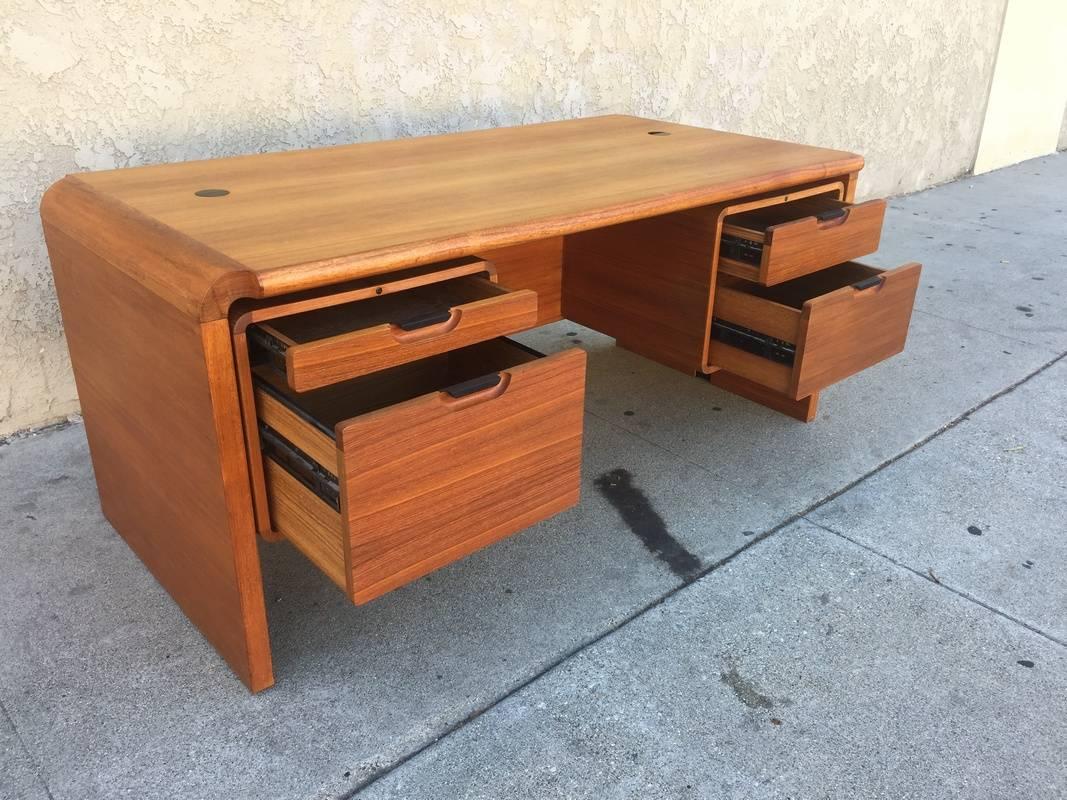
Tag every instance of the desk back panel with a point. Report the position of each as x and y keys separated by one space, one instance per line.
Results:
x=536 y=265
x=647 y=283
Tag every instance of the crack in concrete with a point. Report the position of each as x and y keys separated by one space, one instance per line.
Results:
x=1039 y=345
x=37 y=772
x=938 y=581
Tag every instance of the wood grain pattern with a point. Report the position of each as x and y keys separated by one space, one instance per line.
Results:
x=849 y=330
x=157 y=286
x=247 y=311
x=300 y=219
x=428 y=478
x=647 y=283
x=159 y=399
x=333 y=344
x=305 y=520
x=803 y=409
x=796 y=243
x=181 y=271
x=432 y=479
x=536 y=265
x=247 y=398
x=776 y=377
x=837 y=328
x=317 y=445
x=734 y=303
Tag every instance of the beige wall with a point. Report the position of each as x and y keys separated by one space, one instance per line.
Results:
x=1025 y=112
x=95 y=85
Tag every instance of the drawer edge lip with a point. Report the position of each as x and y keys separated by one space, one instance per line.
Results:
x=258 y=384
x=575 y=354
x=516 y=297
x=866 y=206
x=253 y=311
x=322 y=362
x=883 y=272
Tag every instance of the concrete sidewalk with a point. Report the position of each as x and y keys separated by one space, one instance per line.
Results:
x=871 y=605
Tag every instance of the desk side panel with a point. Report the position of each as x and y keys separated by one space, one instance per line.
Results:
x=159 y=399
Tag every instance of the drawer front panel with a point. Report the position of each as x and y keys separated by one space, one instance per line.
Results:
x=853 y=328
x=783 y=242
x=840 y=321
x=432 y=479
x=467 y=311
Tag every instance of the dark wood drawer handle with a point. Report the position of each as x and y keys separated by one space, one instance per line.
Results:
x=426 y=325
x=425 y=319
x=832 y=215
x=476 y=390
x=868 y=283
x=465 y=388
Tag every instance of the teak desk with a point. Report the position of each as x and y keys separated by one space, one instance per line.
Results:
x=311 y=345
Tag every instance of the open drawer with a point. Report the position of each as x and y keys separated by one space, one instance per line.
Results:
x=384 y=478
x=801 y=336
x=327 y=345
x=780 y=242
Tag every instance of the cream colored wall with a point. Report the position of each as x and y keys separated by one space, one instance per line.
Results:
x=95 y=85
x=1025 y=113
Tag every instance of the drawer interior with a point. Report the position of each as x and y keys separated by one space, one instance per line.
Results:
x=752 y=225
x=795 y=293
x=409 y=310
x=456 y=372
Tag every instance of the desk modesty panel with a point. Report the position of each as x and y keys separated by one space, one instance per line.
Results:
x=312 y=347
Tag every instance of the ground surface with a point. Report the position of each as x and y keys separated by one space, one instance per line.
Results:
x=873 y=605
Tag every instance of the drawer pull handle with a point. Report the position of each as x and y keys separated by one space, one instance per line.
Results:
x=868 y=283
x=425 y=319
x=831 y=214
x=475 y=391
x=465 y=388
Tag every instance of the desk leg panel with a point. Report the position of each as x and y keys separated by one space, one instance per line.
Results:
x=159 y=399
x=803 y=409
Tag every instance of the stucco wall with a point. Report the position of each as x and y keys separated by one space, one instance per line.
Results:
x=95 y=85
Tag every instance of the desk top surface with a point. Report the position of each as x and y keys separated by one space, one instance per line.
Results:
x=360 y=209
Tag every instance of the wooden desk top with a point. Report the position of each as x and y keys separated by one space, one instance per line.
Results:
x=305 y=218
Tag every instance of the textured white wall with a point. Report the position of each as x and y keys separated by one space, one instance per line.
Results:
x=95 y=85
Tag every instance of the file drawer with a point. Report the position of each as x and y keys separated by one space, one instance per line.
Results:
x=801 y=336
x=336 y=343
x=780 y=242
x=381 y=479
